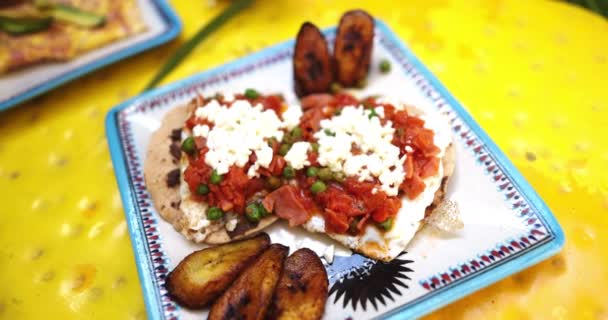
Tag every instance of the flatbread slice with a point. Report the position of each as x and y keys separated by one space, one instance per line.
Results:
x=385 y=246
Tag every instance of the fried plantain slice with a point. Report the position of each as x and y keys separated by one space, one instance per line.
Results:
x=302 y=289
x=203 y=275
x=251 y=293
x=312 y=64
x=353 y=47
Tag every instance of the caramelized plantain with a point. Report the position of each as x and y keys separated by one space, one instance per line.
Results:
x=251 y=293
x=302 y=289
x=203 y=275
x=312 y=64
x=353 y=47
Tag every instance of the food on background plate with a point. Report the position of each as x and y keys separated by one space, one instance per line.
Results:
x=250 y=296
x=353 y=47
x=205 y=274
x=312 y=61
x=33 y=32
x=367 y=172
x=301 y=292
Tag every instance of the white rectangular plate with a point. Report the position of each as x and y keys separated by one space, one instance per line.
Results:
x=507 y=227
x=162 y=25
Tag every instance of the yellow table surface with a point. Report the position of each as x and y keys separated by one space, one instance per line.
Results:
x=534 y=74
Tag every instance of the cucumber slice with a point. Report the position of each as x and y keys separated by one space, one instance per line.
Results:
x=76 y=16
x=23 y=25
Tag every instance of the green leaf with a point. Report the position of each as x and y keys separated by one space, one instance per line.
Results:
x=234 y=8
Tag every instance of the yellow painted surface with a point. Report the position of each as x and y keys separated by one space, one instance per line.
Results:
x=534 y=74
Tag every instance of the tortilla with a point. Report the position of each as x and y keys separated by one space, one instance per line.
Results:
x=166 y=199
x=64 y=41
x=376 y=244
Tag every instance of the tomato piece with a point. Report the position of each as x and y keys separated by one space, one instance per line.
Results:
x=409 y=166
x=273 y=102
x=399 y=118
x=428 y=167
x=335 y=222
x=310 y=122
x=277 y=165
x=413 y=187
x=316 y=101
x=344 y=99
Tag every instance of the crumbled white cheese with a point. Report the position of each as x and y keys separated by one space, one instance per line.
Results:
x=291 y=116
x=200 y=130
x=409 y=149
x=238 y=131
x=228 y=97
x=231 y=224
x=297 y=156
x=379 y=158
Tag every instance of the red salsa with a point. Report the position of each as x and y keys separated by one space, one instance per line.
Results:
x=346 y=203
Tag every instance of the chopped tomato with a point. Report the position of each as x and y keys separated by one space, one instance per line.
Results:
x=346 y=206
x=409 y=166
x=310 y=122
x=344 y=99
x=413 y=187
x=273 y=102
x=277 y=165
x=316 y=101
x=427 y=167
x=335 y=222
x=340 y=201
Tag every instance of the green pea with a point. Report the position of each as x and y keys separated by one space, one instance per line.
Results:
x=373 y=113
x=263 y=210
x=202 y=189
x=338 y=112
x=315 y=147
x=335 y=87
x=215 y=177
x=385 y=66
x=251 y=94
x=339 y=176
x=312 y=171
x=296 y=132
x=329 y=132
x=284 y=148
x=273 y=182
x=188 y=146
x=318 y=186
x=325 y=174
x=214 y=213
x=271 y=141
x=387 y=224
x=253 y=213
x=289 y=172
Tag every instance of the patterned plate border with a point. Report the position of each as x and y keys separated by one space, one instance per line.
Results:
x=544 y=238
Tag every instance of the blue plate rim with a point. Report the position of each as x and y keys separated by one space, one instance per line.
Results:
x=429 y=302
x=174 y=27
